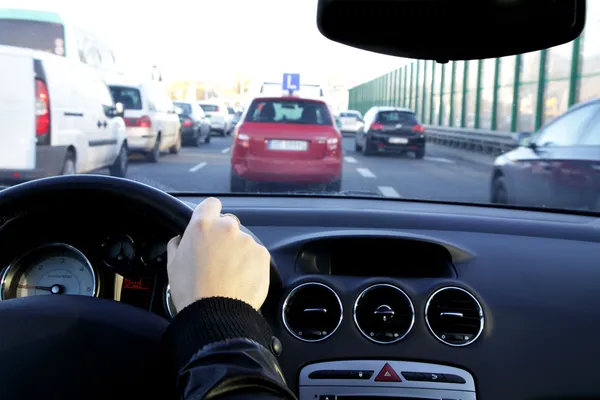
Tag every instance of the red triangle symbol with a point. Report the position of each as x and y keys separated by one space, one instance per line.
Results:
x=387 y=374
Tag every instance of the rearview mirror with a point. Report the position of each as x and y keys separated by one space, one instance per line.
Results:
x=465 y=29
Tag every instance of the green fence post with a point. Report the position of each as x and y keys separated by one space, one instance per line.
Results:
x=441 y=108
x=410 y=85
x=573 y=81
x=452 y=88
x=540 y=106
x=424 y=96
x=432 y=91
x=514 y=115
x=404 y=86
x=495 y=95
x=416 y=109
x=387 y=88
x=463 y=103
x=478 y=93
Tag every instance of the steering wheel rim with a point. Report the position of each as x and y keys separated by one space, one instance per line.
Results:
x=64 y=327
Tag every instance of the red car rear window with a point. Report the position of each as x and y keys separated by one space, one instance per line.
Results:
x=289 y=111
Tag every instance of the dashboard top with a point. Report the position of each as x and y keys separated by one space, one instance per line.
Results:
x=416 y=284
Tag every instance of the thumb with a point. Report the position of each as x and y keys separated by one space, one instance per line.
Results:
x=172 y=247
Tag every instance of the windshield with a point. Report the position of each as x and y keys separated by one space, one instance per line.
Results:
x=209 y=107
x=185 y=107
x=35 y=35
x=292 y=112
x=128 y=96
x=288 y=111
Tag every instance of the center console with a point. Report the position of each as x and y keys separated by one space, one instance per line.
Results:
x=388 y=380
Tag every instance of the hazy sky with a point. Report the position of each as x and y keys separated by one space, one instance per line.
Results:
x=214 y=38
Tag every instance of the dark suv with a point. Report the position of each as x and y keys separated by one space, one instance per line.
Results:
x=391 y=130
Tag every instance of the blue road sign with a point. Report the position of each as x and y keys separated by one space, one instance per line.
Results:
x=291 y=81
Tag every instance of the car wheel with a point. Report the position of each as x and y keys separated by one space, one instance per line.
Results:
x=154 y=154
x=237 y=184
x=207 y=138
x=419 y=154
x=119 y=167
x=69 y=167
x=177 y=146
x=366 y=151
x=334 y=186
x=199 y=140
x=357 y=148
x=499 y=192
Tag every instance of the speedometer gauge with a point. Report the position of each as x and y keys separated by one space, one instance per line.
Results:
x=52 y=269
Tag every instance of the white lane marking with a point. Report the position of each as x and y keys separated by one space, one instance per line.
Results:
x=225 y=150
x=388 y=191
x=440 y=159
x=365 y=172
x=197 y=167
x=350 y=160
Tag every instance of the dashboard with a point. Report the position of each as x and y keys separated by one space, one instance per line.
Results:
x=373 y=297
x=113 y=254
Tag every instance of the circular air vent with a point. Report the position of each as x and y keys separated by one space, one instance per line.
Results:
x=384 y=313
x=454 y=316
x=312 y=312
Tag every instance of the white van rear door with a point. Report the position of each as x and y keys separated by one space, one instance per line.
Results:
x=17 y=109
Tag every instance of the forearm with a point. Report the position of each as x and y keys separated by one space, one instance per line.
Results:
x=219 y=346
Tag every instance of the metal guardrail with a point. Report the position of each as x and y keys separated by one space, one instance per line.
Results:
x=478 y=140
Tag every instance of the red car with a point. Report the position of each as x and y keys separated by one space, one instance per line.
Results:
x=286 y=140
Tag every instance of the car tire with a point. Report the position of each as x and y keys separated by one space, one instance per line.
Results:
x=357 y=148
x=334 y=186
x=207 y=138
x=119 y=167
x=366 y=151
x=177 y=146
x=69 y=167
x=154 y=154
x=420 y=154
x=237 y=184
x=499 y=193
x=199 y=140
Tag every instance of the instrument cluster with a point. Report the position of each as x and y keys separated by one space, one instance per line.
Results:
x=118 y=266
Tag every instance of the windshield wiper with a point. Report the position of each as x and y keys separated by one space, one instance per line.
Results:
x=342 y=193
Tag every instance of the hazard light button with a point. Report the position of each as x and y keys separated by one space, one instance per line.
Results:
x=387 y=374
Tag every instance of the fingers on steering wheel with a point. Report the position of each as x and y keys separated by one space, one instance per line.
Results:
x=210 y=208
x=230 y=222
x=173 y=244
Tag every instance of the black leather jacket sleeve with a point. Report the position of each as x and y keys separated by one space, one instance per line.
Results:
x=219 y=349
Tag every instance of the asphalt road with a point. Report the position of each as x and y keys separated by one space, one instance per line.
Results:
x=444 y=174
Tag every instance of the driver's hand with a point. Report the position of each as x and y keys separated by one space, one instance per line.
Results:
x=214 y=258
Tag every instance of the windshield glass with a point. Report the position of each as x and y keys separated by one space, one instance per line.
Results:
x=209 y=107
x=36 y=35
x=185 y=107
x=128 y=96
x=294 y=112
x=288 y=111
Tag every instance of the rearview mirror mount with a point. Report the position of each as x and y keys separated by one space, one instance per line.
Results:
x=464 y=29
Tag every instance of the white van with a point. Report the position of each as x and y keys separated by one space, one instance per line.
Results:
x=152 y=122
x=57 y=117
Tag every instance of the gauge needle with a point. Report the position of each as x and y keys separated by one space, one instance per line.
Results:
x=55 y=289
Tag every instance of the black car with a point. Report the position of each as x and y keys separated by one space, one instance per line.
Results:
x=195 y=126
x=558 y=166
x=391 y=130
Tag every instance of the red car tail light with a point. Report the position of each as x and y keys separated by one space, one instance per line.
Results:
x=42 y=109
x=376 y=126
x=187 y=122
x=418 y=129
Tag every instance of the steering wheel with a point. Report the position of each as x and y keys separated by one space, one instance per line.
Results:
x=72 y=347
